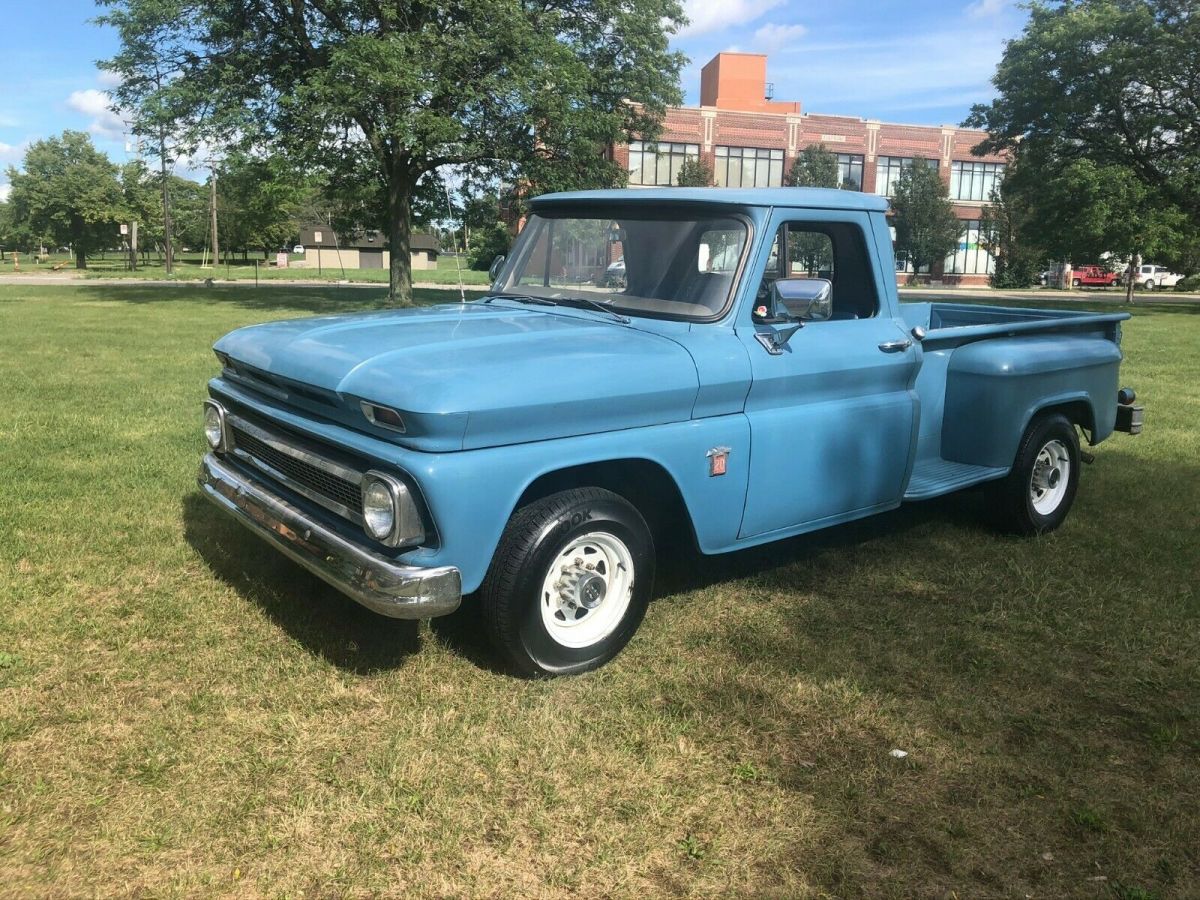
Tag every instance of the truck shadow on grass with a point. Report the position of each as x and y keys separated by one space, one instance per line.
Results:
x=683 y=569
x=322 y=620
x=358 y=640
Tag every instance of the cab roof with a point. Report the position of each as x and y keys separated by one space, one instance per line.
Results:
x=813 y=198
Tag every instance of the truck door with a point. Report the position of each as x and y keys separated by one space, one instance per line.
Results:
x=833 y=414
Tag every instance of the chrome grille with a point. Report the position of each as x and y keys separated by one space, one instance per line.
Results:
x=321 y=480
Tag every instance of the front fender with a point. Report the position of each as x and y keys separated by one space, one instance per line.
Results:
x=473 y=493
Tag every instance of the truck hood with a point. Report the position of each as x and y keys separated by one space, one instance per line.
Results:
x=472 y=375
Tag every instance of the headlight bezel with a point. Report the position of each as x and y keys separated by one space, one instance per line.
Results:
x=407 y=527
x=222 y=444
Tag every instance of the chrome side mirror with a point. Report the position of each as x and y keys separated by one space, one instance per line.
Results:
x=807 y=299
x=496 y=266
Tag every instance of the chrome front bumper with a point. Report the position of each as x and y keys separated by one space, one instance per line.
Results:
x=378 y=583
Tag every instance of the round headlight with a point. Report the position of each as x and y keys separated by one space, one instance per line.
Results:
x=212 y=426
x=379 y=510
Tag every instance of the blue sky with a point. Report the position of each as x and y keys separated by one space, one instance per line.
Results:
x=921 y=62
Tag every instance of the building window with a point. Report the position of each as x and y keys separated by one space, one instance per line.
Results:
x=659 y=163
x=971 y=257
x=850 y=171
x=974 y=180
x=748 y=167
x=887 y=172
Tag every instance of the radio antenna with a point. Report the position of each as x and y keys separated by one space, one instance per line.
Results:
x=462 y=293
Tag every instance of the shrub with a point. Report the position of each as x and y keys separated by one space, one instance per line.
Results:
x=489 y=243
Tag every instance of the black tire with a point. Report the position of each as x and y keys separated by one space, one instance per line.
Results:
x=1017 y=496
x=533 y=544
x=1149 y=285
x=1075 y=282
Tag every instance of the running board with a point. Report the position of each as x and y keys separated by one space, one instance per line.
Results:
x=935 y=477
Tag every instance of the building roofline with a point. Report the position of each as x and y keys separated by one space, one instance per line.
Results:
x=808 y=115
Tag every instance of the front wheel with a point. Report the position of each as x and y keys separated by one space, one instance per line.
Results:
x=1075 y=282
x=570 y=582
x=1149 y=285
x=1037 y=493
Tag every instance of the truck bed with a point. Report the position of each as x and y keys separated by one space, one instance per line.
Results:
x=967 y=321
x=979 y=364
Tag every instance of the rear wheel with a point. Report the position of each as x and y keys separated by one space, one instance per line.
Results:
x=1037 y=494
x=1075 y=282
x=1149 y=285
x=569 y=583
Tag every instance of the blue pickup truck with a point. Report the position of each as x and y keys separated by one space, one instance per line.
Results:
x=751 y=376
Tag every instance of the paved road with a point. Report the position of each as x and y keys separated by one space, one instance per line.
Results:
x=1031 y=296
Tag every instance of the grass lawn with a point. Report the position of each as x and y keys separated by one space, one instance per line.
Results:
x=188 y=268
x=183 y=712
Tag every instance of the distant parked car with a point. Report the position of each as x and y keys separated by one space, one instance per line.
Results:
x=1093 y=276
x=1151 y=277
x=614 y=275
x=298 y=249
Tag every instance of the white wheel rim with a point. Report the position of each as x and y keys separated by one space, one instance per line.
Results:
x=587 y=589
x=1051 y=473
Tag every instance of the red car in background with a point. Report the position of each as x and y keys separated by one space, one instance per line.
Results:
x=1093 y=276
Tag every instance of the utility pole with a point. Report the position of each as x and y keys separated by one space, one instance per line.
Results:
x=133 y=247
x=212 y=203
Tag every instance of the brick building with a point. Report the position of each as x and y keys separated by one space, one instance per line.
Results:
x=751 y=139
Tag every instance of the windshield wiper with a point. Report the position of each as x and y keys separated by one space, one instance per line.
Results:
x=539 y=300
x=596 y=305
x=520 y=298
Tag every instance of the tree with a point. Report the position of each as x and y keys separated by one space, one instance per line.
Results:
x=814 y=167
x=1083 y=211
x=261 y=200
x=68 y=190
x=140 y=193
x=189 y=213
x=926 y=226
x=1007 y=229
x=490 y=242
x=1110 y=81
x=694 y=172
x=157 y=37
x=383 y=94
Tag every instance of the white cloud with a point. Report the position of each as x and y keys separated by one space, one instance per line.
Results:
x=714 y=15
x=105 y=123
x=772 y=37
x=9 y=153
x=5 y=190
x=982 y=9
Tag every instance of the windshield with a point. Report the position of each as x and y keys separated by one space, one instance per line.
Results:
x=681 y=267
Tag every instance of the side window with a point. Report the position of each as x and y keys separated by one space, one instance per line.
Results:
x=835 y=251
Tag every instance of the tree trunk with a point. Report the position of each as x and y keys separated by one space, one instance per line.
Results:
x=166 y=202
x=1134 y=263
x=80 y=259
x=212 y=207
x=400 y=191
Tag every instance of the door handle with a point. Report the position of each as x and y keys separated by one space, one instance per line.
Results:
x=895 y=346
